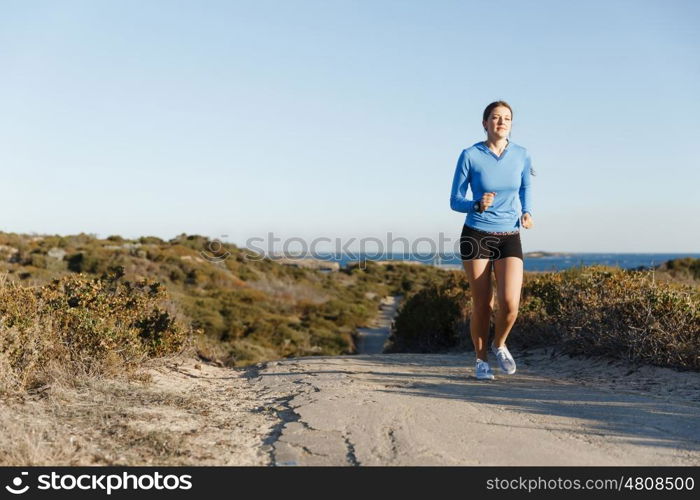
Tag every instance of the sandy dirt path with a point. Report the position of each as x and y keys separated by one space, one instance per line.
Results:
x=382 y=409
x=417 y=409
x=371 y=340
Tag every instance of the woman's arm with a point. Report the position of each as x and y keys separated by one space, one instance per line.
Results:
x=526 y=186
x=458 y=196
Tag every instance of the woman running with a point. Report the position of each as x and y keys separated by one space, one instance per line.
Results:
x=498 y=172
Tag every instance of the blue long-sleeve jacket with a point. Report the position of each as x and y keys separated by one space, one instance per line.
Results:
x=509 y=176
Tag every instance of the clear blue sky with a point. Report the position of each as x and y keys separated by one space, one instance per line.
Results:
x=344 y=119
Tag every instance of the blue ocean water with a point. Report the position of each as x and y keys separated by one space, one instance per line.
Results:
x=553 y=263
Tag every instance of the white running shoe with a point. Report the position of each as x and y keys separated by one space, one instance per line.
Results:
x=505 y=361
x=483 y=370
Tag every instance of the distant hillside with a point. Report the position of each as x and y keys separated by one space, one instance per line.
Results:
x=250 y=309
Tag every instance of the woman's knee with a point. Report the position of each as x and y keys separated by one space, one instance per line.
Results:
x=482 y=307
x=509 y=308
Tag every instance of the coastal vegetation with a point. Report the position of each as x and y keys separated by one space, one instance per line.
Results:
x=80 y=304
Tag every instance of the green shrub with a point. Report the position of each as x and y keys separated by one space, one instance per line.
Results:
x=685 y=267
x=433 y=319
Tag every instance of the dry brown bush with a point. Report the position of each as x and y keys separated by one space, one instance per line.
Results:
x=79 y=326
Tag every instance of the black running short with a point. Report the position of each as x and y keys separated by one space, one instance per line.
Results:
x=477 y=244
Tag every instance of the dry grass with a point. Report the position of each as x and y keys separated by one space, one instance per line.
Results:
x=181 y=412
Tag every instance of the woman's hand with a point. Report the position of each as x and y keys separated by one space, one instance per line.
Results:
x=526 y=220
x=487 y=201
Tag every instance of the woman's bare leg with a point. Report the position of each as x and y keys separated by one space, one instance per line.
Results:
x=479 y=276
x=509 y=281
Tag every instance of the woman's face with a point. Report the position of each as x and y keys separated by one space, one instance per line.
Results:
x=499 y=122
